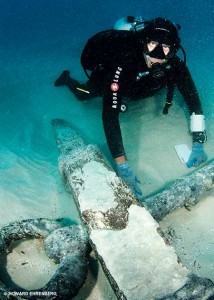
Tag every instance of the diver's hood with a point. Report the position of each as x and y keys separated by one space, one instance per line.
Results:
x=164 y=32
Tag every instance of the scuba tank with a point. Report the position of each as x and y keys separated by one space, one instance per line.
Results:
x=101 y=50
x=129 y=23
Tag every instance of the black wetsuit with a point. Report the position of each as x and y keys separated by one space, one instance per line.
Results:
x=126 y=75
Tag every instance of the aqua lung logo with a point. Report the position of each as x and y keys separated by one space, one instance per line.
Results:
x=117 y=74
x=114 y=102
x=115 y=87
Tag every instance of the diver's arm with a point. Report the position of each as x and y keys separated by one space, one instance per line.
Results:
x=188 y=90
x=187 y=87
x=111 y=109
x=111 y=126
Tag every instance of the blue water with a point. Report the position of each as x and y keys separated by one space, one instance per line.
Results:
x=39 y=39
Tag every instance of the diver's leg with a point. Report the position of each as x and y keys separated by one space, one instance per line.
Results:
x=62 y=79
x=81 y=91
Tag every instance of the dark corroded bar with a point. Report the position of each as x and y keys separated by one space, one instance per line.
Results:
x=186 y=191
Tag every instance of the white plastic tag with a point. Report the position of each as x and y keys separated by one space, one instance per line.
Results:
x=183 y=152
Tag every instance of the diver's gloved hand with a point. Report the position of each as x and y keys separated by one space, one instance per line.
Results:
x=197 y=156
x=125 y=173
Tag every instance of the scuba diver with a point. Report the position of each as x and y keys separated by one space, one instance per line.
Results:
x=135 y=60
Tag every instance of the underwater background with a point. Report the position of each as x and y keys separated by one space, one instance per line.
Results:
x=38 y=40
